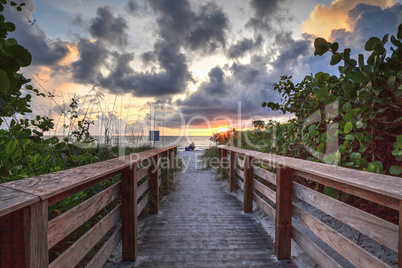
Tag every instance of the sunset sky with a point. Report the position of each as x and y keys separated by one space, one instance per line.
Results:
x=207 y=59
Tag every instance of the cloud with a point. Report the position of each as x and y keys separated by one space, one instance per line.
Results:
x=264 y=13
x=44 y=51
x=109 y=28
x=291 y=51
x=243 y=46
x=123 y=79
x=93 y=56
x=133 y=7
x=323 y=19
x=368 y=21
x=178 y=24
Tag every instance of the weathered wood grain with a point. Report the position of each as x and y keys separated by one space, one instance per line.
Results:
x=106 y=250
x=248 y=185
x=142 y=173
x=232 y=185
x=67 y=222
x=23 y=237
x=12 y=200
x=400 y=236
x=377 y=183
x=241 y=184
x=240 y=162
x=142 y=189
x=264 y=206
x=369 y=195
x=376 y=228
x=349 y=250
x=202 y=225
x=265 y=175
x=35 y=233
x=129 y=213
x=73 y=255
x=154 y=186
x=240 y=173
x=271 y=195
x=165 y=171
x=58 y=183
x=314 y=251
x=283 y=219
x=142 y=205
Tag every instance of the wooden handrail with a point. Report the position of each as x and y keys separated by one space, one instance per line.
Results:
x=26 y=234
x=378 y=188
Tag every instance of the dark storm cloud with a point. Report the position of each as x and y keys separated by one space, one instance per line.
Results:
x=245 y=73
x=44 y=51
x=290 y=51
x=78 y=20
x=264 y=13
x=178 y=27
x=109 y=28
x=172 y=76
x=216 y=84
x=93 y=55
x=368 y=21
x=133 y=7
x=123 y=79
x=148 y=57
x=242 y=47
x=204 y=30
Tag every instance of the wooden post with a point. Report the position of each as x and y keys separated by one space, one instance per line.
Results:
x=248 y=184
x=23 y=236
x=176 y=159
x=171 y=160
x=283 y=220
x=400 y=236
x=232 y=171
x=129 y=213
x=220 y=159
x=165 y=171
x=154 y=185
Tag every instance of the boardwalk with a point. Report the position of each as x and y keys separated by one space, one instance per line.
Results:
x=201 y=225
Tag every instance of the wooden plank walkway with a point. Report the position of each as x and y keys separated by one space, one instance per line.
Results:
x=201 y=225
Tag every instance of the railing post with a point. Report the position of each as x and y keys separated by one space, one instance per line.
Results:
x=232 y=171
x=220 y=160
x=154 y=185
x=248 y=184
x=283 y=219
x=400 y=236
x=175 y=159
x=165 y=171
x=129 y=213
x=23 y=235
x=171 y=160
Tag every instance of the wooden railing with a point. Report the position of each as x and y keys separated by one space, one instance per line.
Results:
x=26 y=235
x=246 y=171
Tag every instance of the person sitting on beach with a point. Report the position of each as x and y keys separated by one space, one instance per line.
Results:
x=192 y=146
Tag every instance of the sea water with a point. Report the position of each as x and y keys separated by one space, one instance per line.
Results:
x=201 y=142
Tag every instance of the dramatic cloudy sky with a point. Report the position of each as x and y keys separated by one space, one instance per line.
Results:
x=208 y=59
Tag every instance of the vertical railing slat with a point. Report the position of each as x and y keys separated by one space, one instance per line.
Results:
x=232 y=171
x=283 y=220
x=129 y=213
x=248 y=184
x=400 y=236
x=154 y=185
x=165 y=171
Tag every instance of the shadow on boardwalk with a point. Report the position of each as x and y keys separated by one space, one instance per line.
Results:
x=201 y=225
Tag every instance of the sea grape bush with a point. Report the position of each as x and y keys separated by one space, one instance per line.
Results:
x=366 y=100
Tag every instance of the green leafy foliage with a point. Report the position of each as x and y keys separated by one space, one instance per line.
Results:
x=366 y=103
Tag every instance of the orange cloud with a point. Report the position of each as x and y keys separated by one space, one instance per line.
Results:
x=323 y=19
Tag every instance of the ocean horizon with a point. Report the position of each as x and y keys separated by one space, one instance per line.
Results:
x=201 y=142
